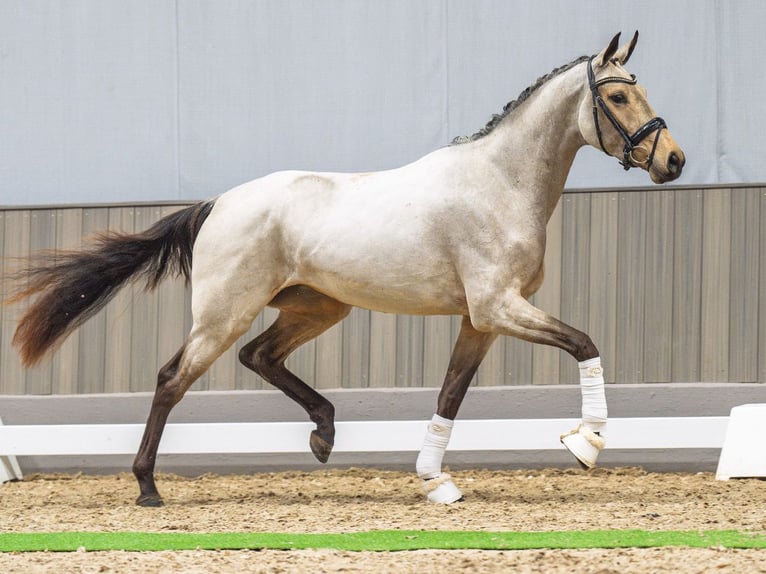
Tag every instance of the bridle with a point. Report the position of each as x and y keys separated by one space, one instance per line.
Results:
x=631 y=141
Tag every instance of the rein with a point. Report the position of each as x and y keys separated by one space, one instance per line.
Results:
x=631 y=141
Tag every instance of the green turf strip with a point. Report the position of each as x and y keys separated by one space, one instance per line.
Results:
x=378 y=540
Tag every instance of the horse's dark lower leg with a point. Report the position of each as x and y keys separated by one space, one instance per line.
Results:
x=470 y=349
x=203 y=346
x=165 y=398
x=304 y=315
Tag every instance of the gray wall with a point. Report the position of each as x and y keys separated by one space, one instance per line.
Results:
x=669 y=282
x=108 y=101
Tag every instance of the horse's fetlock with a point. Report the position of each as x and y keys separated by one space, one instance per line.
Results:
x=323 y=413
x=142 y=469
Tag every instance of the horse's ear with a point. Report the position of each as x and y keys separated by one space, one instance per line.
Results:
x=608 y=53
x=623 y=54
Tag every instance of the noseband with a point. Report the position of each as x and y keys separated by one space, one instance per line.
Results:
x=631 y=141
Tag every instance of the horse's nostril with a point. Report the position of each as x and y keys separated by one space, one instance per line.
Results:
x=674 y=163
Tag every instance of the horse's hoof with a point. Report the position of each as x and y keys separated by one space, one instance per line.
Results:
x=320 y=447
x=149 y=500
x=441 y=490
x=584 y=444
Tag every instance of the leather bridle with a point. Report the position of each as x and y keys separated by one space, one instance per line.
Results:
x=631 y=141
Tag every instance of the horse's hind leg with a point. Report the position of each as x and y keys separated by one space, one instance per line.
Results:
x=470 y=349
x=202 y=347
x=304 y=315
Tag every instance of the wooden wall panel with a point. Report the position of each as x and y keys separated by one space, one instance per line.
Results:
x=716 y=285
x=631 y=262
x=761 y=348
x=658 y=288
x=687 y=286
x=602 y=291
x=669 y=283
x=744 y=293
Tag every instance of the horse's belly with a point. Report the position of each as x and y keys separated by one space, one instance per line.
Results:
x=408 y=296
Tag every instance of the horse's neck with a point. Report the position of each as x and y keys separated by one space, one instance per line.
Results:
x=537 y=143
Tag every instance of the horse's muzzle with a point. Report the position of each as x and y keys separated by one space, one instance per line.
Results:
x=671 y=170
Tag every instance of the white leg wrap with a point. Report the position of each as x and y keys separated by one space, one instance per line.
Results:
x=429 y=464
x=594 y=410
x=586 y=441
x=437 y=485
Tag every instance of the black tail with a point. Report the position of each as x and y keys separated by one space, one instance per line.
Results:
x=73 y=286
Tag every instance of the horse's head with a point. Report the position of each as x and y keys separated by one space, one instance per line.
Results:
x=616 y=117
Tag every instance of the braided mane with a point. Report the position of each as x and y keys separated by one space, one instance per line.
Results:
x=513 y=104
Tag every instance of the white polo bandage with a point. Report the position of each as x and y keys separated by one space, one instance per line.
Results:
x=429 y=463
x=594 y=412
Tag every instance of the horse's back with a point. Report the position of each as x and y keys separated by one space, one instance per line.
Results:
x=375 y=240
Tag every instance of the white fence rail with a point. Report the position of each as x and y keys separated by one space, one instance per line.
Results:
x=352 y=436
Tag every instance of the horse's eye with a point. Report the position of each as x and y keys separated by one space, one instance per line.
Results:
x=618 y=98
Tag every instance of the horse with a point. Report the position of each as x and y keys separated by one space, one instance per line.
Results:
x=460 y=231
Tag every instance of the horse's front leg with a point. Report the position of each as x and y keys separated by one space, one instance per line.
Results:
x=514 y=315
x=470 y=349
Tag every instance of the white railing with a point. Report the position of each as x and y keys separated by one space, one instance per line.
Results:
x=351 y=436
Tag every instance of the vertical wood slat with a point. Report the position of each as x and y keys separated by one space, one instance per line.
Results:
x=716 y=256
x=356 y=349
x=744 y=292
x=518 y=361
x=16 y=246
x=42 y=235
x=658 y=288
x=329 y=359
x=631 y=251
x=761 y=289
x=409 y=351
x=545 y=360
x=687 y=286
x=66 y=359
x=575 y=276
x=602 y=316
x=382 y=350
x=8 y=313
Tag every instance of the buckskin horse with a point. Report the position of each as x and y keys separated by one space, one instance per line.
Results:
x=460 y=231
